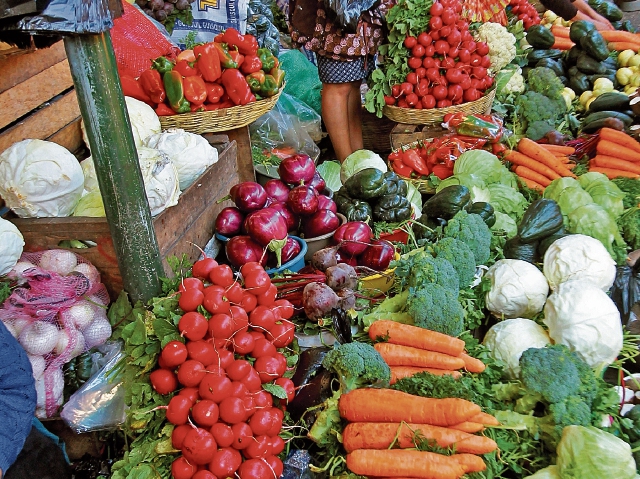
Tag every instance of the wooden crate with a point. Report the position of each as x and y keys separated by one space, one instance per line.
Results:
x=404 y=134
x=178 y=228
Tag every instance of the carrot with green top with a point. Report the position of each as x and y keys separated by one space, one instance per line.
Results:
x=612 y=173
x=609 y=148
x=605 y=161
x=471 y=364
x=519 y=159
x=398 y=355
x=485 y=419
x=558 y=149
x=389 y=405
x=468 y=426
x=408 y=335
x=619 y=137
x=527 y=173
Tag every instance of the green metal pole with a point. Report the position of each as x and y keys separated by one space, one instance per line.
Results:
x=103 y=108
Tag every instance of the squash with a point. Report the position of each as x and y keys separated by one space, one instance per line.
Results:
x=613 y=100
x=447 y=202
x=485 y=211
x=541 y=219
x=540 y=37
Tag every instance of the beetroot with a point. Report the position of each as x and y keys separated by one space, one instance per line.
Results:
x=303 y=200
x=378 y=255
x=346 y=259
x=276 y=190
x=318 y=300
x=326 y=203
x=320 y=223
x=324 y=258
x=347 y=299
x=353 y=237
x=341 y=276
x=229 y=221
x=297 y=169
x=242 y=249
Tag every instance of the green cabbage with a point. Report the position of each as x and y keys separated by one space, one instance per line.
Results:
x=588 y=452
x=604 y=192
x=486 y=166
x=505 y=223
x=330 y=172
x=90 y=205
x=359 y=160
x=507 y=200
x=476 y=185
x=550 y=472
x=569 y=195
x=593 y=220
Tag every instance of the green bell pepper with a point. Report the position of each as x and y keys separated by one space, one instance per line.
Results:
x=352 y=209
x=427 y=228
x=267 y=59
x=269 y=86
x=392 y=209
x=368 y=184
x=397 y=186
x=175 y=92
x=162 y=64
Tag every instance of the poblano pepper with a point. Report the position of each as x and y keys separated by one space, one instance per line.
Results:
x=352 y=209
x=392 y=209
x=372 y=183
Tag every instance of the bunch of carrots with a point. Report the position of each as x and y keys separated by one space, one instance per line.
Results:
x=617 y=40
x=537 y=165
x=617 y=154
x=385 y=425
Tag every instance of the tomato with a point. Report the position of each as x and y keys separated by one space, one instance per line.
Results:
x=203 y=267
x=449 y=16
x=163 y=381
x=257 y=282
x=238 y=369
x=202 y=351
x=282 y=334
x=436 y=10
x=178 y=434
x=277 y=445
x=182 y=469
x=418 y=51
x=243 y=343
x=234 y=293
x=410 y=42
x=193 y=325
x=276 y=465
x=204 y=474
x=425 y=39
x=285 y=308
x=482 y=48
x=221 y=326
x=205 y=413
x=288 y=386
x=191 y=393
x=191 y=372
x=252 y=381
x=428 y=101
x=435 y=23
x=242 y=435
x=174 y=354
x=215 y=300
x=260 y=446
x=178 y=410
x=225 y=462
x=248 y=302
x=262 y=318
x=222 y=433
x=190 y=283
x=268 y=297
x=255 y=469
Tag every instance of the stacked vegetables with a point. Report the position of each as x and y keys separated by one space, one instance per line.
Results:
x=229 y=71
x=524 y=11
x=618 y=154
x=537 y=165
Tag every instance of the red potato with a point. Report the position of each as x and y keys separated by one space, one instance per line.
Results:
x=318 y=300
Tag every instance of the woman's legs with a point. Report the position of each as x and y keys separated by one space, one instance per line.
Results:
x=341 y=113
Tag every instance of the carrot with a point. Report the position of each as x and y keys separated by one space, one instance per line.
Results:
x=389 y=405
x=485 y=419
x=401 y=372
x=468 y=426
x=609 y=148
x=562 y=43
x=561 y=149
x=400 y=462
x=380 y=435
x=532 y=184
x=519 y=159
x=470 y=462
x=397 y=355
x=619 y=36
x=560 y=31
x=620 y=46
x=528 y=173
x=605 y=161
x=472 y=364
x=613 y=173
x=535 y=151
x=619 y=137
x=408 y=335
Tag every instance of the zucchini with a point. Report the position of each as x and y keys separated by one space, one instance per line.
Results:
x=485 y=211
x=611 y=100
x=579 y=29
x=515 y=249
x=594 y=45
x=447 y=202
x=534 y=56
x=541 y=219
x=609 y=122
x=540 y=37
x=588 y=65
x=604 y=114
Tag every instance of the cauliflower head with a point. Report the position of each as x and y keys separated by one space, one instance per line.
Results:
x=515 y=83
x=502 y=44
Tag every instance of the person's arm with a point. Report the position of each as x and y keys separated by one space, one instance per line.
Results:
x=590 y=14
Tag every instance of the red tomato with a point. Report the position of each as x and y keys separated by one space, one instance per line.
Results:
x=163 y=381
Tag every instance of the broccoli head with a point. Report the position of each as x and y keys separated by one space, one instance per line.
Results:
x=533 y=106
x=459 y=255
x=471 y=229
x=543 y=80
x=357 y=365
x=435 y=307
x=420 y=268
x=537 y=129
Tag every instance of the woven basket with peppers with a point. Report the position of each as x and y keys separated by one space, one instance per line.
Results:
x=229 y=71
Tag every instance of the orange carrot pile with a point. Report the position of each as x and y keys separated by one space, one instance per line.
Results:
x=621 y=40
x=560 y=31
x=617 y=154
x=562 y=43
x=538 y=165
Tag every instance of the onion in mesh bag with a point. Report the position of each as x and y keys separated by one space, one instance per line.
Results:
x=59 y=261
x=38 y=365
x=39 y=338
x=67 y=337
x=57 y=389
x=97 y=332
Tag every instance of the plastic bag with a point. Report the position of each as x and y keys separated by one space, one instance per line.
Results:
x=99 y=403
x=348 y=12
x=478 y=126
x=625 y=292
x=302 y=78
x=260 y=24
x=280 y=132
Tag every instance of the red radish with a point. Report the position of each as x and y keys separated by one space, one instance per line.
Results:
x=277 y=445
x=239 y=389
x=243 y=343
x=191 y=393
x=163 y=381
x=191 y=372
x=178 y=410
x=268 y=297
x=297 y=169
x=257 y=282
x=193 y=325
x=378 y=255
x=221 y=326
x=204 y=474
x=248 y=196
x=261 y=318
x=268 y=368
x=174 y=354
x=353 y=237
x=263 y=347
x=288 y=386
x=242 y=435
x=282 y=334
x=326 y=203
x=202 y=351
x=232 y=410
x=199 y=446
x=202 y=267
x=226 y=462
x=191 y=283
x=222 y=275
x=292 y=220
x=215 y=301
x=263 y=399
x=229 y=222
x=238 y=369
x=260 y=446
x=182 y=469
x=276 y=465
x=277 y=190
x=317 y=182
x=205 y=413
x=240 y=318
x=252 y=381
x=222 y=433
x=320 y=223
x=215 y=388
x=303 y=200
x=268 y=228
x=242 y=249
x=178 y=434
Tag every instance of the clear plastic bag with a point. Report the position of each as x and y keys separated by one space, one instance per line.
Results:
x=348 y=12
x=286 y=129
x=99 y=403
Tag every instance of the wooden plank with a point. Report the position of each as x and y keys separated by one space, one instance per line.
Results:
x=30 y=94
x=245 y=162
x=19 y=68
x=70 y=136
x=44 y=122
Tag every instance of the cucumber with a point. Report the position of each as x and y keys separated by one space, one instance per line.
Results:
x=601 y=115
x=609 y=122
x=612 y=100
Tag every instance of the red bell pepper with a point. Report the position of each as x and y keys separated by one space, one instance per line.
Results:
x=151 y=82
x=164 y=110
x=237 y=57
x=208 y=62
x=223 y=54
x=131 y=87
x=195 y=90
x=236 y=87
x=251 y=64
x=188 y=55
x=218 y=106
x=442 y=171
x=214 y=92
x=246 y=44
x=400 y=168
x=185 y=69
x=412 y=159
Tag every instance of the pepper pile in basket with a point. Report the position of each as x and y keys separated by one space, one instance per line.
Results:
x=229 y=71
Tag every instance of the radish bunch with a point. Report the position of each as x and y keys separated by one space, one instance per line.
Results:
x=225 y=422
x=448 y=67
x=525 y=12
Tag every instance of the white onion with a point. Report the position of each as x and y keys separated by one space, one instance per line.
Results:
x=19 y=268
x=39 y=338
x=97 y=332
x=19 y=324
x=58 y=388
x=38 y=365
x=64 y=337
x=89 y=271
x=94 y=298
x=80 y=314
x=59 y=261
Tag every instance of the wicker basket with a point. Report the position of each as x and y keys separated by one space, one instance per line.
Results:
x=221 y=120
x=412 y=116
